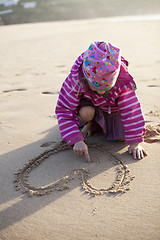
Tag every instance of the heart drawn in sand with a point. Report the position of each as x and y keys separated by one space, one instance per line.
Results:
x=120 y=184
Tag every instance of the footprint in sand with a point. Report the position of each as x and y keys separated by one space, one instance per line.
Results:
x=153 y=85
x=60 y=66
x=52 y=93
x=15 y=90
x=65 y=71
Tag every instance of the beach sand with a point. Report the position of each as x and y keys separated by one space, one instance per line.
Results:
x=35 y=59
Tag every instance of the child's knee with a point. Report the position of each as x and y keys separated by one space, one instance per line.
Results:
x=87 y=113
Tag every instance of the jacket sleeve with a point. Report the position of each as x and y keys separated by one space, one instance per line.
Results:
x=66 y=111
x=132 y=118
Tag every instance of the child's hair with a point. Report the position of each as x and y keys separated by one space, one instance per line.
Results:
x=84 y=83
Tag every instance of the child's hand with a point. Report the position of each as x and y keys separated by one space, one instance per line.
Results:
x=81 y=148
x=137 y=151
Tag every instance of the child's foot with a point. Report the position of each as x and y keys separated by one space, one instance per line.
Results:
x=122 y=139
x=87 y=130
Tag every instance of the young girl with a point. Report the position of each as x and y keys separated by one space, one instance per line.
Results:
x=99 y=94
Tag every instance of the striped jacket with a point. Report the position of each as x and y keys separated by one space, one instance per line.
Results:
x=122 y=98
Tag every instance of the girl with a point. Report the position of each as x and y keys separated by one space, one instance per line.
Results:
x=99 y=94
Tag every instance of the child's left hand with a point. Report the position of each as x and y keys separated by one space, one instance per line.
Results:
x=137 y=151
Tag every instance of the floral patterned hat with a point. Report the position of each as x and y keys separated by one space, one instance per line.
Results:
x=101 y=65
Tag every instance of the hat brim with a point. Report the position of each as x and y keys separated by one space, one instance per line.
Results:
x=102 y=88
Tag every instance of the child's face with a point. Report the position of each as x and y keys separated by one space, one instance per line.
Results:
x=99 y=92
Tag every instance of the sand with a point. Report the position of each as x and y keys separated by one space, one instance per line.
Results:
x=35 y=59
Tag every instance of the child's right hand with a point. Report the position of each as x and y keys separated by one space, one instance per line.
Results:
x=81 y=148
x=137 y=151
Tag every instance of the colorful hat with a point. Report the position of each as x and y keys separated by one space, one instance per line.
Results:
x=101 y=65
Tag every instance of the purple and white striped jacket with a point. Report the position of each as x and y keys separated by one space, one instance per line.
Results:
x=122 y=98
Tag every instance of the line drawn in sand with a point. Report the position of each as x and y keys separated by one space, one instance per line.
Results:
x=121 y=183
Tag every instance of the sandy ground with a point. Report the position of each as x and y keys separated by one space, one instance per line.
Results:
x=34 y=61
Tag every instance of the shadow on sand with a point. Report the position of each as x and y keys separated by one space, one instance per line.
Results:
x=17 y=206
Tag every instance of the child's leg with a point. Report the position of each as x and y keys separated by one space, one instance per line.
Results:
x=87 y=113
x=87 y=129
